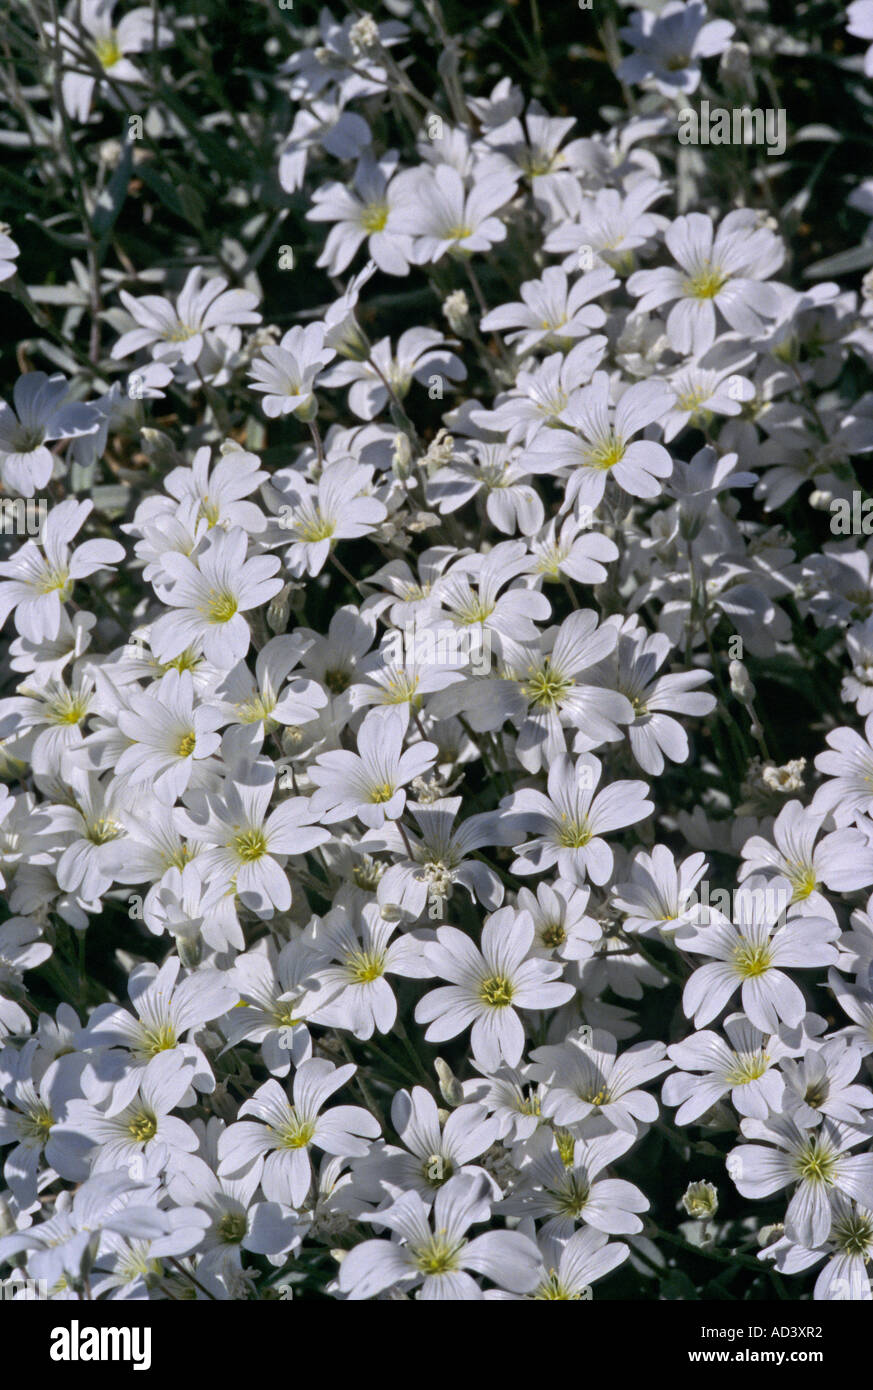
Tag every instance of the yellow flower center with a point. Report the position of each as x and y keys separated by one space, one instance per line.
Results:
x=571 y=1199
x=319 y=528
x=37 y=1124
x=815 y=1163
x=381 y=793
x=803 y=881
x=497 y=991
x=187 y=660
x=601 y=1097
x=107 y=50
x=101 y=831
x=160 y=1039
x=546 y=687
x=295 y=1133
x=365 y=966
x=574 y=834
x=706 y=283
x=249 y=845
x=222 y=607
x=749 y=1066
x=853 y=1234
x=179 y=858
x=284 y=1017
x=254 y=710
x=752 y=958
x=180 y=332
x=374 y=217
x=553 y=934
x=474 y=611
x=142 y=1127
x=232 y=1227
x=607 y=453
x=67 y=708
x=551 y=1289
x=186 y=745
x=55 y=580
x=691 y=400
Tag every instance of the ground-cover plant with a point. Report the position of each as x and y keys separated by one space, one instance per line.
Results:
x=436 y=730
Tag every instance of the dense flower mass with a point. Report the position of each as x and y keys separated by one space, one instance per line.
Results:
x=436 y=728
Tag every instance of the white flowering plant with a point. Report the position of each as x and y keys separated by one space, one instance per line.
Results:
x=436 y=585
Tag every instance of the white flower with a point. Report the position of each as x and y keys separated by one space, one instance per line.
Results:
x=287 y=373
x=169 y=734
x=842 y=861
x=668 y=45
x=167 y=1008
x=660 y=896
x=724 y=270
x=209 y=593
x=354 y=953
x=584 y=1077
x=370 y=784
x=442 y=1260
x=433 y=207
x=40 y=577
x=552 y=312
x=42 y=412
x=421 y=355
x=817 y=1160
x=860 y=16
x=569 y=1268
x=277 y=1143
x=362 y=212
x=849 y=767
x=140 y=1135
x=9 y=252
x=598 y=443
x=750 y=951
x=744 y=1064
x=317 y=515
x=488 y=985
x=176 y=330
x=92 y=28
x=570 y=822
x=246 y=845
x=562 y=1183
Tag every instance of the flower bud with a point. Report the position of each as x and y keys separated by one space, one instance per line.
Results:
x=741 y=682
x=456 y=309
x=700 y=1200
x=450 y=1087
x=279 y=610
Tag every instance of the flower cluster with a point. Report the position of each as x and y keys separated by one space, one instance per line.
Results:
x=436 y=829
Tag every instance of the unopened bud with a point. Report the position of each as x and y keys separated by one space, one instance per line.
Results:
x=700 y=1200
x=768 y=1234
x=7 y=1220
x=456 y=309
x=735 y=65
x=160 y=448
x=820 y=499
x=364 y=34
x=450 y=1087
x=279 y=610
x=741 y=682
x=401 y=459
